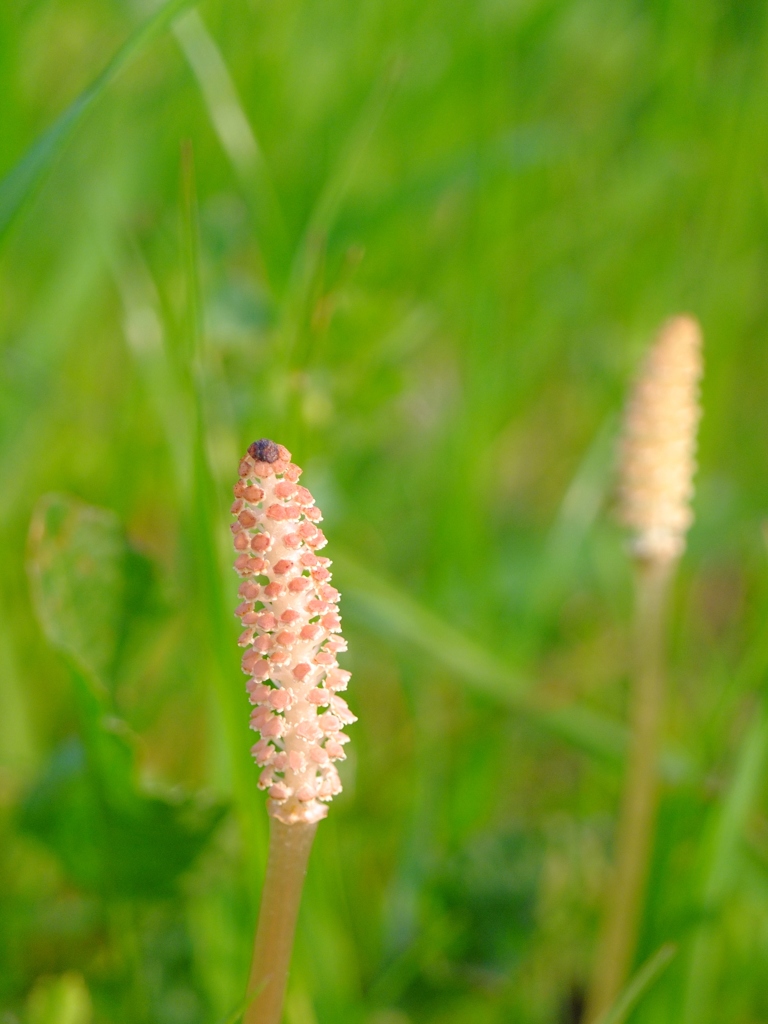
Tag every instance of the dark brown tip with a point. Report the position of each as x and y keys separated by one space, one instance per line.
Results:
x=264 y=451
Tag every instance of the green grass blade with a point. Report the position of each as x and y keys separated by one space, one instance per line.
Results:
x=311 y=247
x=389 y=607
x=578 y=511
x=639 y=985
x=721 y=867
x=236 y=135
x=146 y=339
x=206 y=525
x=21 y=181
x=393 y=612
x=174 y=380
x=50 y=328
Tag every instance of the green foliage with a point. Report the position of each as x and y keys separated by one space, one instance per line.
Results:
x=21 y=181
x=111 y=839
x=115 y=842
x=487 y=895
x=77 y=568
x=424 y=246
x=62 y=1000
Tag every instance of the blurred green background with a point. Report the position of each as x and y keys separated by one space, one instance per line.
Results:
x=423 y=245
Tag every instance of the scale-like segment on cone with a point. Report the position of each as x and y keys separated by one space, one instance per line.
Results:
x=291 y=636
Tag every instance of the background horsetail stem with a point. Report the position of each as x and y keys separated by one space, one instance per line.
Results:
x=656 y=485
x=638 y=811
x=289 y=848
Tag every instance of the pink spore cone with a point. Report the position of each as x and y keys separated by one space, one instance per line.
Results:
x=293 y=672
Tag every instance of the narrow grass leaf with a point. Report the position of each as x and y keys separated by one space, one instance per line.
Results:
x=170 y=367
x=31 y=411
x=721 y=866
x=388 y=606
x=311 y=247
x=21 y=181
x=145 y=335
x=204 y=527
x=577 y=513
x=389 y=610
x=236 y=135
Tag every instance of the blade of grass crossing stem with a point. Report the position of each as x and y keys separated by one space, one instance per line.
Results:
x=390 y=611
x=721 y=867
x=639 y=985
x=205 y=521
x=237 y=1014
x=21 y=181
x=237 y=137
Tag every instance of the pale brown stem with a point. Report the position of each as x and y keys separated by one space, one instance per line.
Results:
x=634 y=838
x=289 y=847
